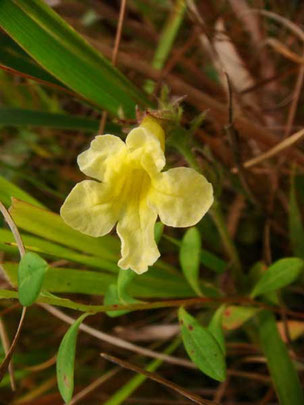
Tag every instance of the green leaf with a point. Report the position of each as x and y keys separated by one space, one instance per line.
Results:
x=235 y=316
x=280 y=274
x=66 y=55
x=216 y=327
x=158 y=231
x=111 y=298
x=296 y=229
x=189 y=257
x=9 y=190
x=15 y=58
x=281 y=368
x=31 y=272
x=66 y=360
x=63 y=280
x=124 y=279
x=16 y=117
x=202 y=347
x=118 y=295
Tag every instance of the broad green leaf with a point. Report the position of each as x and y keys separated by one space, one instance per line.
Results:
x=189 y=257
x=31 y=272
x=202 y=347
x=281 y=368
x=235 y=316
x=296 y=229
x=66 y=55
x=66 y=360
x=16 y=117
x=280 y=274
x=216 y=328
x=9 y=190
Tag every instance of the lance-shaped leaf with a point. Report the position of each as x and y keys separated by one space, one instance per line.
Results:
x=66 y=55
x=202 y=347
x=31 y=272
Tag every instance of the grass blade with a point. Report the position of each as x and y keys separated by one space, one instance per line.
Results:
x=281 y=368
x=67 y=56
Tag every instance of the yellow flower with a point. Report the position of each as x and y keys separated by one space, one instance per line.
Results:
x=132 y=191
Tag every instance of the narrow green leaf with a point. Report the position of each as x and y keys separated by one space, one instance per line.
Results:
x=118 y=294
x=66 y=360
x=15 y=58
x=202 y=347
x=216 y=327
x=296 y=229
x=124 y=279
x=66 y=55
x=280 y=274
x=111 y=298
x=50 y=226
x=281 y=368
x=16 y=117
x=189 y=257
x=31 y=272
x=9 y=190
x=62 y=280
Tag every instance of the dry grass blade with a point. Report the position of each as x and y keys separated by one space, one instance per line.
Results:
x=9 y=353
x=6 y=344
x=117 y=341
x=286 y=143
x=155 y=377
x=8 y=356
x=283 y=50
x=93 y=386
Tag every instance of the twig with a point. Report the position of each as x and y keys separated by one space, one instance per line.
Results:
x=92 y=387
x=155 y=377
x=114 y=55
x=8 y=355
x=117 y=341
x=5 y=344
x=10 y=222
x=286 y=143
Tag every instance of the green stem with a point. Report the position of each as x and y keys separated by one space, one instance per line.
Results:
x=216 y=214
x=166 y=40
x=218 y=218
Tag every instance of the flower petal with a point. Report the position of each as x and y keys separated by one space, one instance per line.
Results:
x=136 y=232
x=90 y=208
x=146 y=148
x=181 y=196
x=104 y=154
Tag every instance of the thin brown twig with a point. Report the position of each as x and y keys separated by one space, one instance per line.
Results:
x=9 y=353
x=155 y=377
x=114 y=55
x=5 y=343
x=10 y=222
x=117 y=341
x=93 y=386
